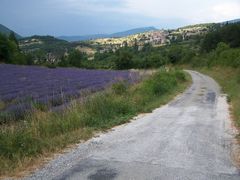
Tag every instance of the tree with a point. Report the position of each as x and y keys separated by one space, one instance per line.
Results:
x=135 y=46
x=13 y=38
x=29 y=59
x=210 y=41
x=8 y=50
x=147 y=47
x=4 y=49
x=125 y=44
x=175 y=54
x=75 y=58
x=157 y=60
x=124 y=60
x=63 y=62
x=229 y=34
x=221 y=47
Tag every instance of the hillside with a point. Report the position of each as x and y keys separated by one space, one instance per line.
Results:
x=47 y=43
x=6 y=31
x=154 y=37
x=44 y=48
x=52 y=49
x=100 y=36
x=232 y=21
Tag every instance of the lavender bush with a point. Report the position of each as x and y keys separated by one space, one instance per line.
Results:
x=25 y=87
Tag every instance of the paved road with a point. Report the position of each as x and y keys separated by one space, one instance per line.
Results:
x=190 y=138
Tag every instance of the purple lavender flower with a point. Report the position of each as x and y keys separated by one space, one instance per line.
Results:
x=32 y=84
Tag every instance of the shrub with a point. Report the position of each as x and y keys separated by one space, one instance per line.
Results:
x=221 y=47
x=119 y=87
x=124 y=60
x=51 y=66
x=20 y=143
x=75 y=58
x=101 y=110
x=229 y=57
x=180 y=76
x=175 y=54
x=161 y=83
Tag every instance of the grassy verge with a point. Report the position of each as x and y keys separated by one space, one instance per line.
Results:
x=23 y=143
x=229 y=80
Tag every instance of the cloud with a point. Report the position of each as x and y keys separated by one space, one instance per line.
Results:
x=107 y=16
x=226 y=11
x=90 y=6
x=188 y=10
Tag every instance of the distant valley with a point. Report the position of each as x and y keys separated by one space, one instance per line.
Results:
x=51 y=49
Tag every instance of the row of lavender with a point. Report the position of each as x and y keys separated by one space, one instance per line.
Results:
x=21 y=87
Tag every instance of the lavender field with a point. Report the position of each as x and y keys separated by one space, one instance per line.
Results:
x=23 y=88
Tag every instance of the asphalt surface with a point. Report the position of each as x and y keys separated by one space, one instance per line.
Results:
x=189 y=138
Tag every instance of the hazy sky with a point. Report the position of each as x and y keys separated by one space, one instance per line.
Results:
x=81 y=17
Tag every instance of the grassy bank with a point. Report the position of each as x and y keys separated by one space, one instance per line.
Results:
x=23 y=143
x=229 y=80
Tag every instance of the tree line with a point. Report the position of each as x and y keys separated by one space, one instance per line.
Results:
x=219 y=45
x=10 y=51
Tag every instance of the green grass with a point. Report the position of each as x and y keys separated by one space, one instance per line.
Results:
x=40 y=133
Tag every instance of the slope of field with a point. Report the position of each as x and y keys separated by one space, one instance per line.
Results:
x=25 y=87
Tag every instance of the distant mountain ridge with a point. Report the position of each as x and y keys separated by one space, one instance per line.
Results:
x=133 y=31
x=231 y=21
x=98 y=36
x=6 y=31
x=82 y=38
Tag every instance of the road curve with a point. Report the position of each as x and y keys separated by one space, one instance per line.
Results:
x=189 y=138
